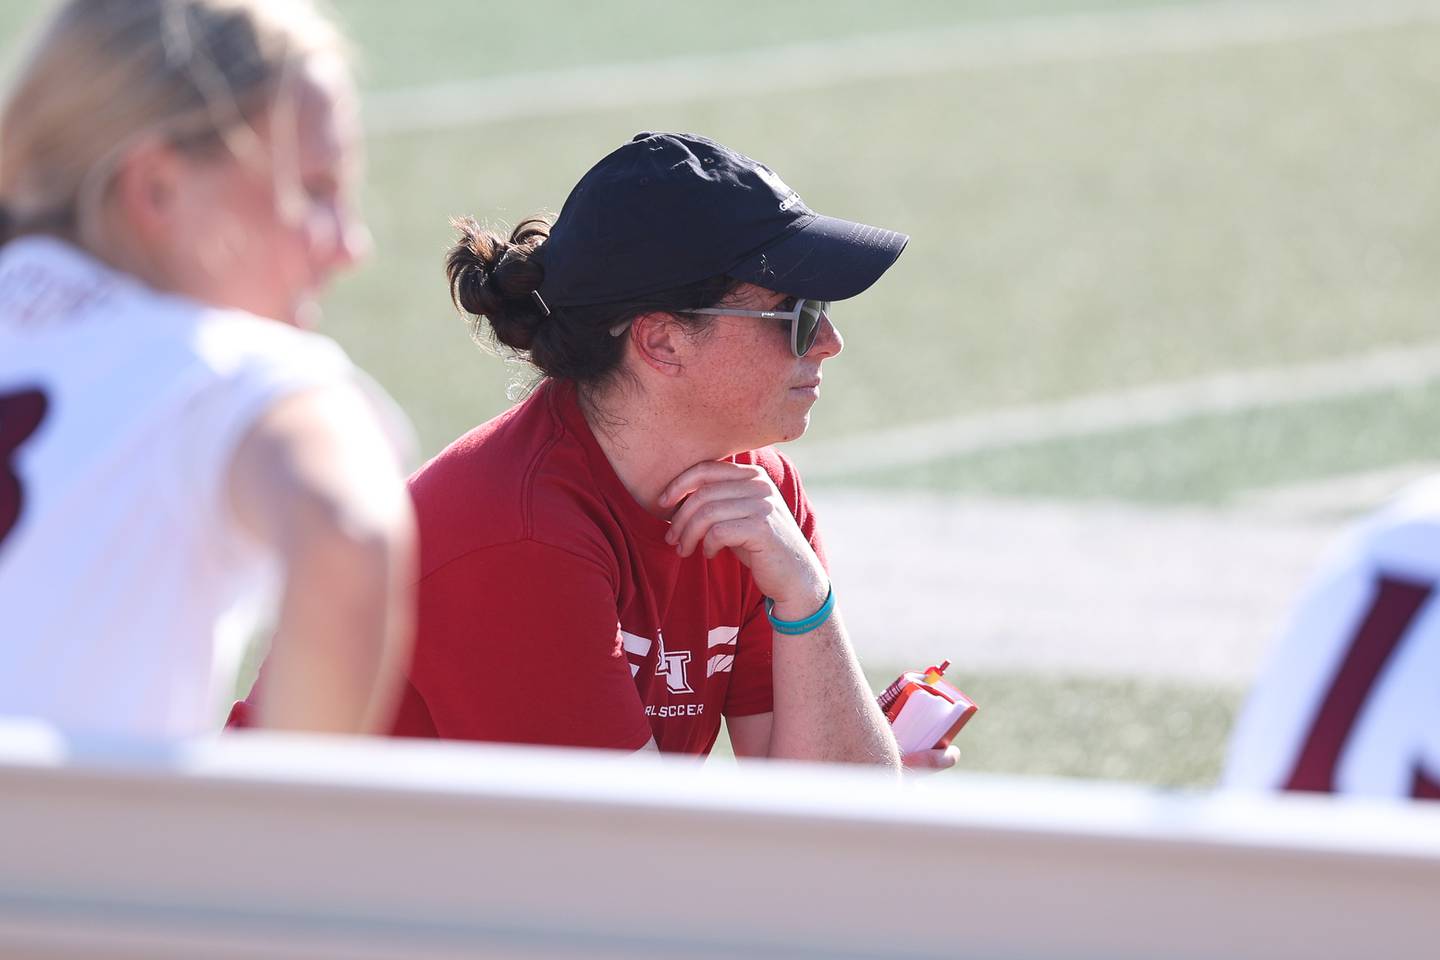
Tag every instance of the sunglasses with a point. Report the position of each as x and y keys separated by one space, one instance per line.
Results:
x=804 y=320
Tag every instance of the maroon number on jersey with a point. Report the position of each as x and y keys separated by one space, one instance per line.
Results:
x=1396 y=604
x=20 y=415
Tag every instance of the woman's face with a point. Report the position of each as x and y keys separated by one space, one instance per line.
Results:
x=265 y=230
x=747 y=388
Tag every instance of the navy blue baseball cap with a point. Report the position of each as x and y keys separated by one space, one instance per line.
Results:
x=670 y=209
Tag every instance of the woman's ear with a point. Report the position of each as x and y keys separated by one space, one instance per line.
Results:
x=660 y=342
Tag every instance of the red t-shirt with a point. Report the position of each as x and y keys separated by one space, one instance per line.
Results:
x=551 y=609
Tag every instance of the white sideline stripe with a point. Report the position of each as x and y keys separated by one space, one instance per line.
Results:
x=721 y=663
x=1039 y=39
x=1348 y=495
x=1121 y=410
x=721 y=636
x=640 y=646
x=1181 y=595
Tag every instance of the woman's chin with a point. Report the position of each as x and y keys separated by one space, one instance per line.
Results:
x=794 y=430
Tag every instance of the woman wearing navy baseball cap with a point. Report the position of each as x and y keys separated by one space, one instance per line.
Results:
x=623 y=559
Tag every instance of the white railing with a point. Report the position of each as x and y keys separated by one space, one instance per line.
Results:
x=282 y=847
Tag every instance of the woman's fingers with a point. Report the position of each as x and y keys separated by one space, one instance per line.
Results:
x=716 y=492
x=737 y=506
x=932 y=761
x=703 y=473
x=697 y=527
x=738 y=534
x=749 y=488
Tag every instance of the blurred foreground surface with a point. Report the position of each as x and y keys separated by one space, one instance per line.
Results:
x=294 y=847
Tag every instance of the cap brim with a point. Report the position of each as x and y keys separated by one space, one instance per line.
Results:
x=826 y=259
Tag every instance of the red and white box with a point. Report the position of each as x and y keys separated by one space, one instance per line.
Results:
x=925 y=711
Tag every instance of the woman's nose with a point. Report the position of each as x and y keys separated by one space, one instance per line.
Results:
x=828 y=342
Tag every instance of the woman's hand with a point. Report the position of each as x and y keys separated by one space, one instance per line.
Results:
x=736 y=505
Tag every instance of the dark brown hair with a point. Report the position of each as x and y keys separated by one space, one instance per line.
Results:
x=493 y=279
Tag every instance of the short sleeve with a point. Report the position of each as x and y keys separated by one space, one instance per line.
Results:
x=519 y=643
x=246 y=366
x=752 y=679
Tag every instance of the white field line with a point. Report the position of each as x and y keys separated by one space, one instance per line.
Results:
x=1190 y=595
x=1123 y=409
x=1026 y=40
x=1330 y=498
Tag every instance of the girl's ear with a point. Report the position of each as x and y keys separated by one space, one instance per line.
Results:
x=146 y=187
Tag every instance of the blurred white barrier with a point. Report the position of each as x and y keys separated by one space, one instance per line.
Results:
x=262 y=846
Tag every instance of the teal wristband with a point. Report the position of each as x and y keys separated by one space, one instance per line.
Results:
x=793 y=628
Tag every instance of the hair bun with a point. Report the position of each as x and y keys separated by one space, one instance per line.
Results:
x=495 y=278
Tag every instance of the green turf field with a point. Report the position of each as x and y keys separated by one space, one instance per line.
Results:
x=1209 y=459
x=1080 y=224
x=441 y=40
x=1077 y=227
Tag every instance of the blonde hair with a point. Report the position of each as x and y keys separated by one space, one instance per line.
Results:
x=104 y=74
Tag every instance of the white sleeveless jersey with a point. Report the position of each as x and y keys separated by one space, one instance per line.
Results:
x=127 y=592
x=1350 y=700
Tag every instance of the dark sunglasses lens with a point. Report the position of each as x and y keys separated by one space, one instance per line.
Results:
x=807 y=325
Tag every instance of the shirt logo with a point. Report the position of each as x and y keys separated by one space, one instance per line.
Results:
x=721 y=642
x=672 y=666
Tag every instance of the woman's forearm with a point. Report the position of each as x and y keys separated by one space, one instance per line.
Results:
x=824 y=709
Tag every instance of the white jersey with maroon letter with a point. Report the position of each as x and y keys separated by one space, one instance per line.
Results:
x=1350 y=702
x=126 y=590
